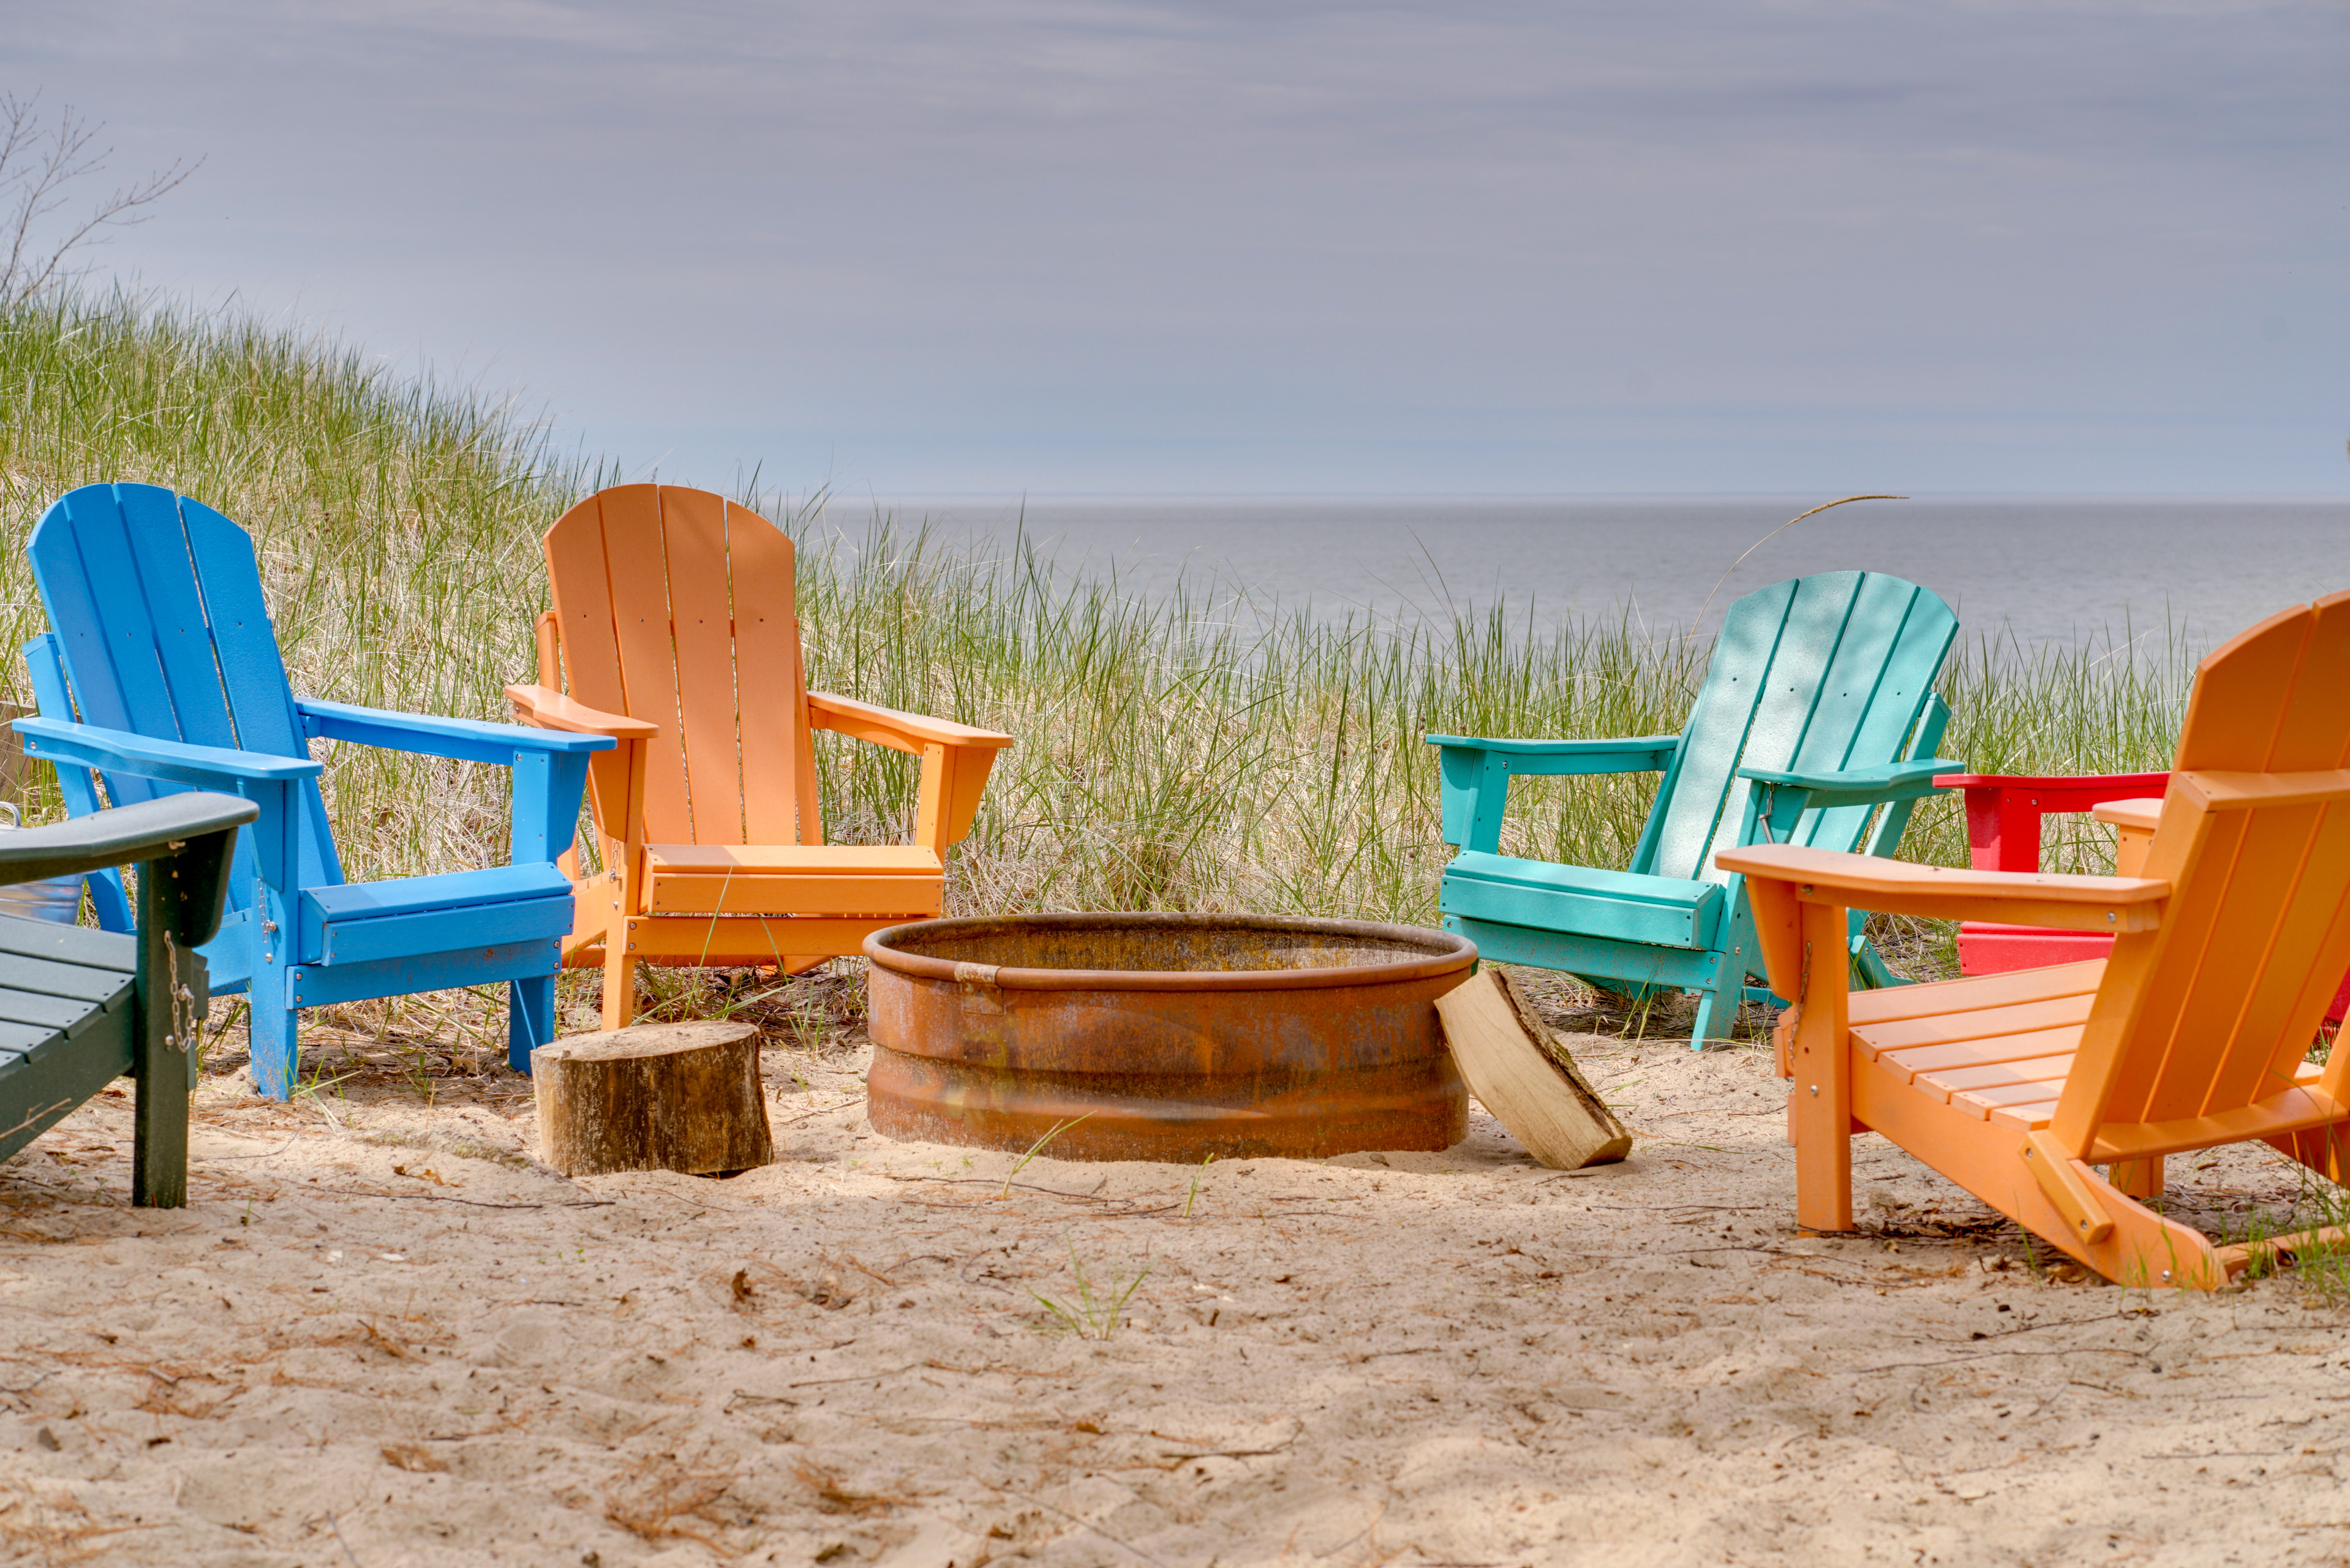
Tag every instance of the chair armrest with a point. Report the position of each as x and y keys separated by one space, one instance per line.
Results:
x=427 y=734
x=2003 y=810
x=547 y=709
x=888 y=727
x=1781 y=877
x=1854 y=786
x=195 y=832
x=120 y=837
x=1640 y=754
x=120 y=751
x=2113 y=904
x=2137 y=820
x=1785 y=795
x=2057 y=793
x=2140 y=815
x=1473 y=774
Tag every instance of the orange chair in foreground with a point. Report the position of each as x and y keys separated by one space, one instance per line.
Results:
x=2231 y=927
x=673 y=620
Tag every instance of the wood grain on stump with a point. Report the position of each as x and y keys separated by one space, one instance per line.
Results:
x=658 y=1097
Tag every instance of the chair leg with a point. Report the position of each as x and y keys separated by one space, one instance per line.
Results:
x=275 y=1030
x=1869 y=970
x=1719 y=1002
x=1701 y=1029
x=1821 y=1053
x=2136 y=1177
x=163 y=1061
x=619 y=982
x=2325 y=1151
x=530 y=1019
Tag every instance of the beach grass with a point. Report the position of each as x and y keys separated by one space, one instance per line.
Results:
x=1205 y=749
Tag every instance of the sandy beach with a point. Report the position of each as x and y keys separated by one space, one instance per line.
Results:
x=382 y=1333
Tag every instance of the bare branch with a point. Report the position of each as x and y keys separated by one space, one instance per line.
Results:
x=38 y=163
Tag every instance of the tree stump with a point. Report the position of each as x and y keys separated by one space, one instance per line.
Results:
x=1521 y=1073
x=658 y=1097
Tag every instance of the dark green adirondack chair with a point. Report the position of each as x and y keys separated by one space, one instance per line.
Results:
x=80 y=1007
x=1816 y=725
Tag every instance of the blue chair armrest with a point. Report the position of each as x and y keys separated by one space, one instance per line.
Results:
x=1473 y=783
x=268 y=782
x=550 y=765
x=120 y=751
x=1785 y=795
x=464 y=740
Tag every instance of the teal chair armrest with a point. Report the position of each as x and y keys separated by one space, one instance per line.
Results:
x=1473 y=776
x=1782 y=796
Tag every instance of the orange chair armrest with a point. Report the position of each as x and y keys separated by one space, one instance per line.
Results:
x=2140 y=814
x=887 y=727
x=2115 y=904
x=551 y=709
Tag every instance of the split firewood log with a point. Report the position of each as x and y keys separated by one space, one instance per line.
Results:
x=1525 y=1074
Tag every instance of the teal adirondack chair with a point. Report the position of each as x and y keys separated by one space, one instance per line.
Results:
x=1817 y=714
x=164 y=674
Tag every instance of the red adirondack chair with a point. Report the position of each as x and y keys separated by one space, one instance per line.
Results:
x=2003 y=817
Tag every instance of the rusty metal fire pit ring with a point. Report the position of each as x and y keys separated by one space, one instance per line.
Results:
x=1172 y=1036
x=1449 y=951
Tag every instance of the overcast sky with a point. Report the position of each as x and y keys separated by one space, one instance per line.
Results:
x=1061 y=246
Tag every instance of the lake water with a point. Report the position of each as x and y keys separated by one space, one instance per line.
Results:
x=2043 y=569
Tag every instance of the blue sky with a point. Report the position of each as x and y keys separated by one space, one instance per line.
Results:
x=1083 y=246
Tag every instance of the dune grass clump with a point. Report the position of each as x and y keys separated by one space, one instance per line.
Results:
x=1192 y=753
x=396 y=523
x=1199 y=750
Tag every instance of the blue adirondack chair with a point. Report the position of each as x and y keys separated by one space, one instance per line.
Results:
x=162 y=673
x=1817 y=714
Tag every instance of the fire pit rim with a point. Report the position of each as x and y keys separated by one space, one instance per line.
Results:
x=1459 y=953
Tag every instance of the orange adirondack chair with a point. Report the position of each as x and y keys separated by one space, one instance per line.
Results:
x=674 y=620
x=2232 y=927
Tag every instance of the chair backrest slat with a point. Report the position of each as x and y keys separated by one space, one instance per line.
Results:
x=2216 y=1008
x=1880 y=681
x=675 y=606
x=579 y=581
x=98 y=606
x=1691 y=800
x=167 y=603
x=693 y=540
x=69 y=596
x=779 y=793
x=251 y=670
x=161 y=630
x=636 y=596
x=1826 y=671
